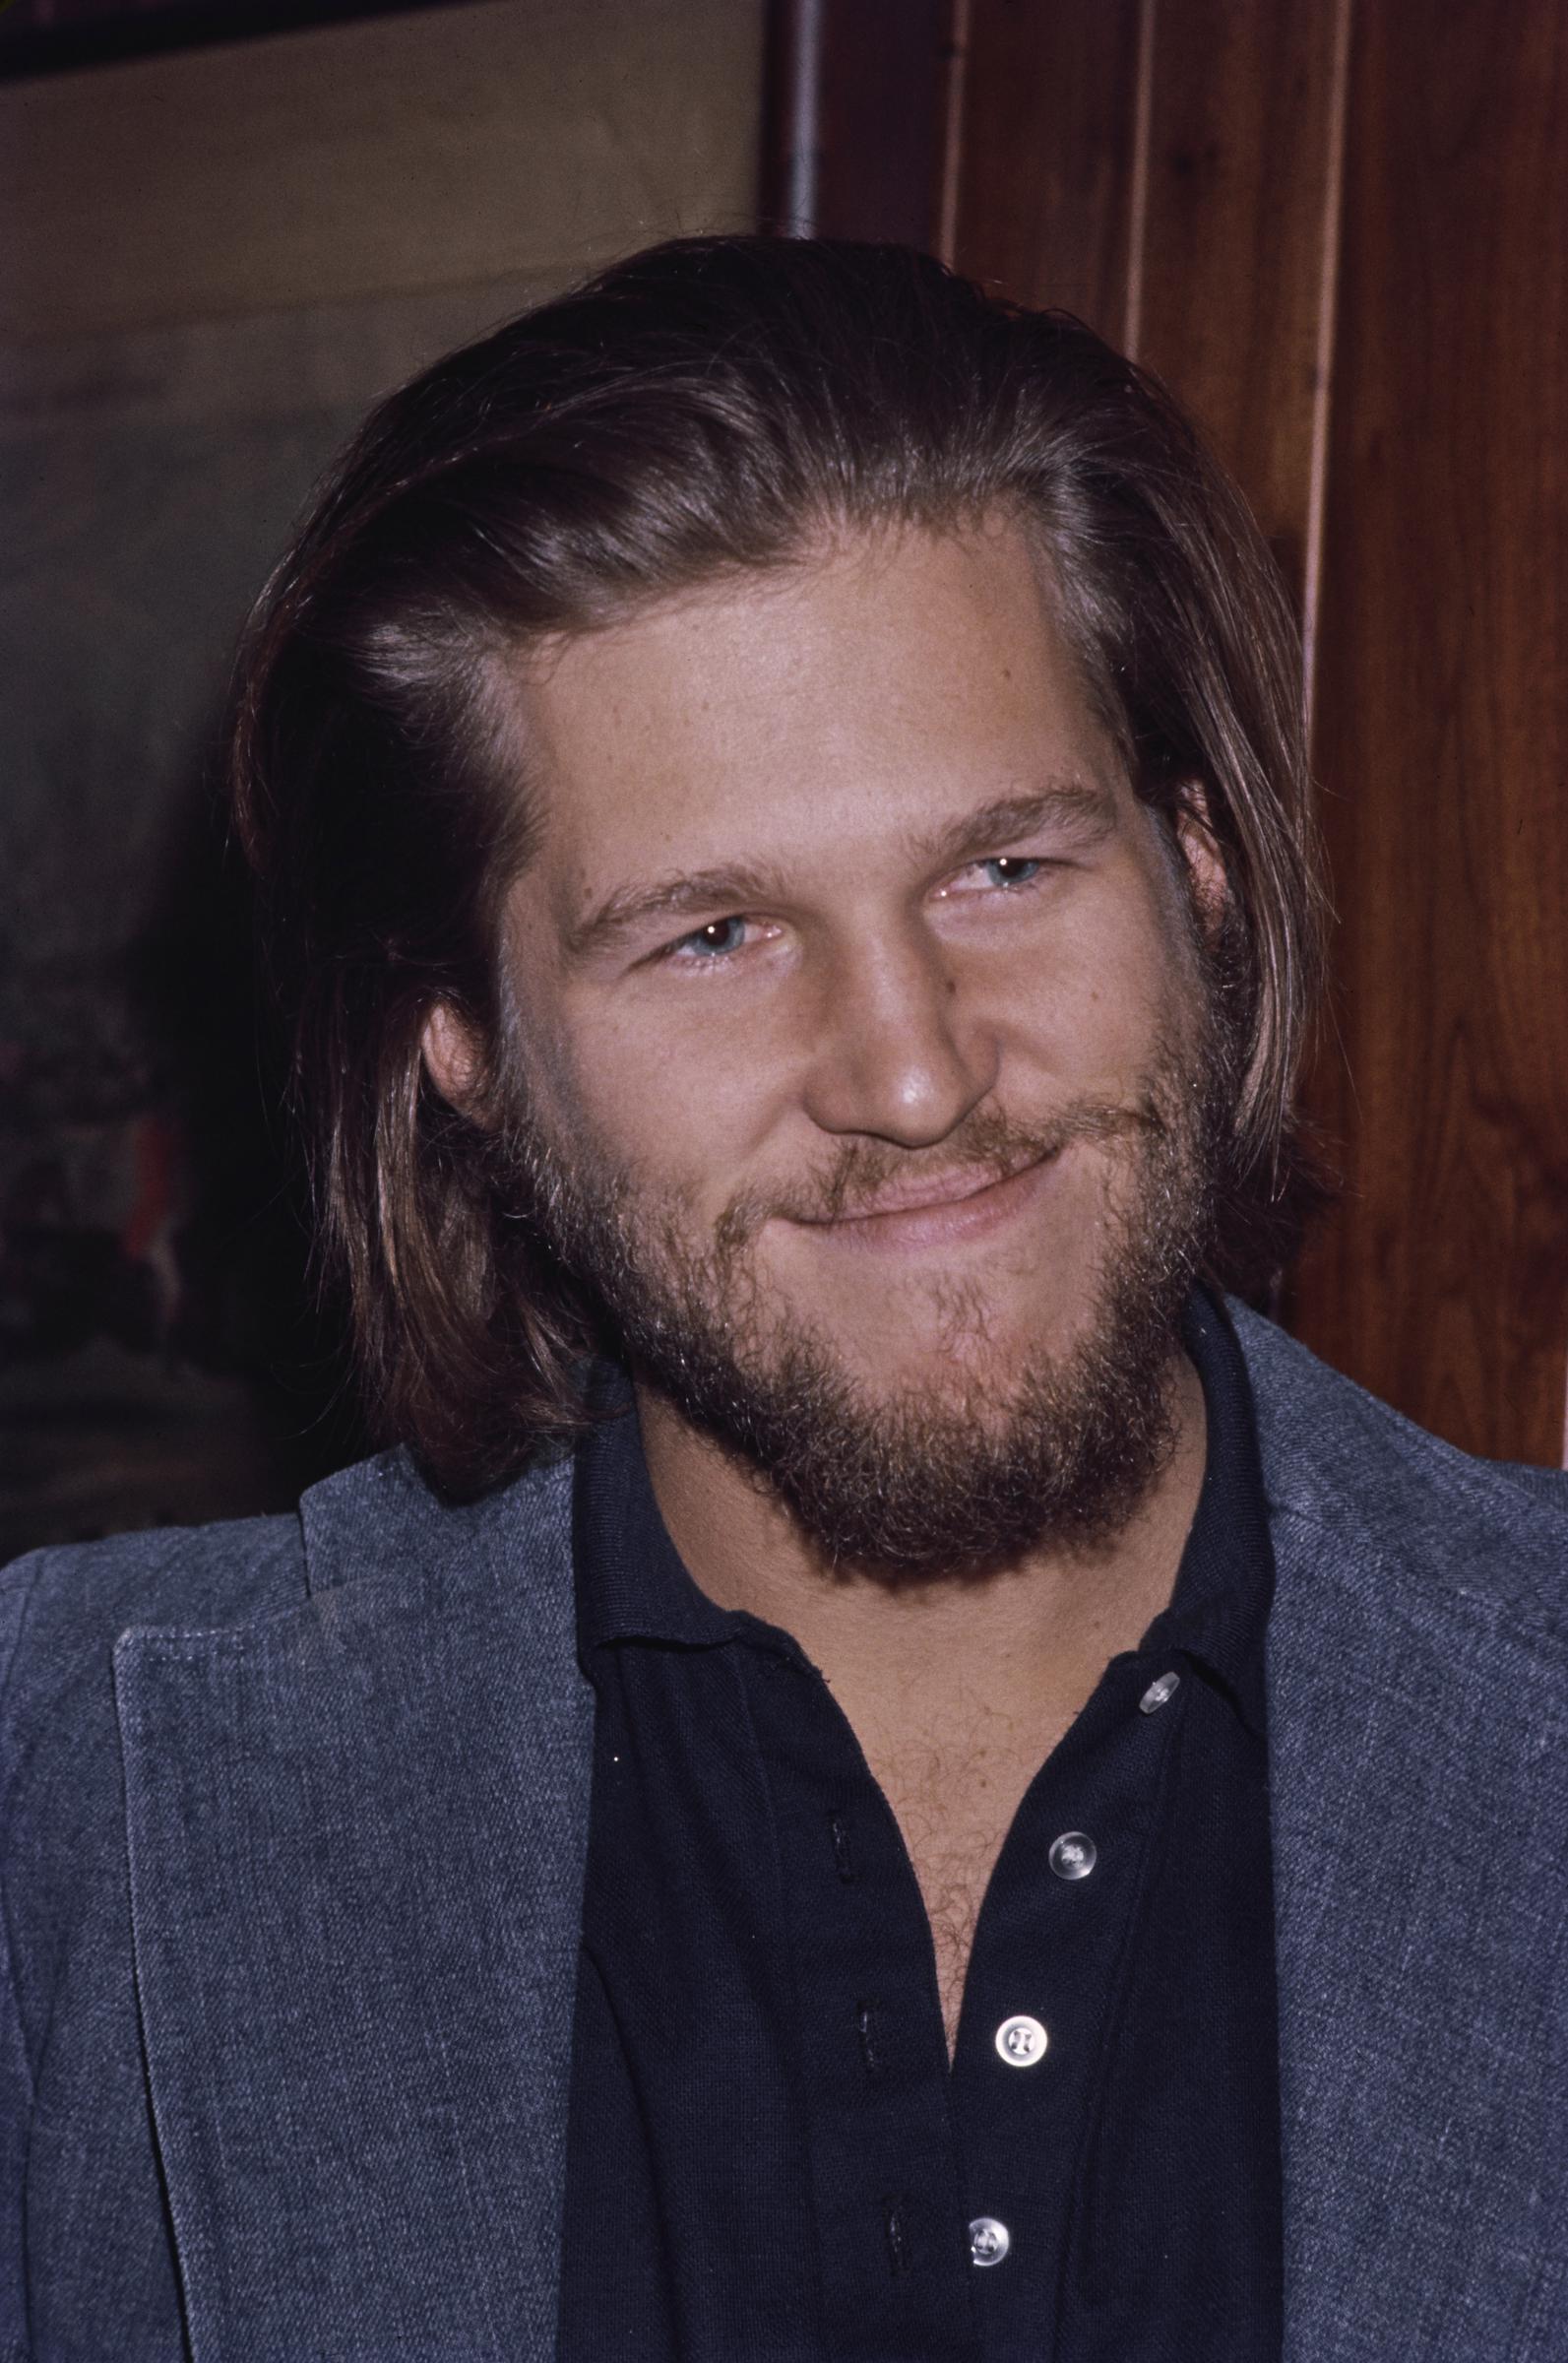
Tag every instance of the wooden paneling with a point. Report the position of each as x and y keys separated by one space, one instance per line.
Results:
x=855 y=118
x=1239 y=239
x=1443 y=725
x=1046 y=170
x=1172 y=173
x=881 y=108
x=1338 y=229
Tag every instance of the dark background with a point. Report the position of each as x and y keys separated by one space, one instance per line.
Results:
x=217 y=253
x=1336 y=226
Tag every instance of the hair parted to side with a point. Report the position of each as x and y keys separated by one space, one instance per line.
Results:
x=707 y=406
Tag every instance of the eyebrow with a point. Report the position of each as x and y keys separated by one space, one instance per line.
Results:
x=632 y=907
x=1087 y=812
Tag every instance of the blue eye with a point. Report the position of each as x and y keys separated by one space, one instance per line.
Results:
x=1012 y=869
x=712 y=941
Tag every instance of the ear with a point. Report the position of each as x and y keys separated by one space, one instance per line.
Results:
x=1200 y=851
x=452 y=1058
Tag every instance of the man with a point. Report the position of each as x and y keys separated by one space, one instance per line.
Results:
x=887 y=1773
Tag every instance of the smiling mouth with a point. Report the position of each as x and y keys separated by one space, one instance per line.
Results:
x=940 y=1210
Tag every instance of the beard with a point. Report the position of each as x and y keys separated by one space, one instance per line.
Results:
x=951 y=1478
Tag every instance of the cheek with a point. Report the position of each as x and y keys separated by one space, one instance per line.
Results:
x=687 y=1098
x=1087 y=1002
x=601 y=1075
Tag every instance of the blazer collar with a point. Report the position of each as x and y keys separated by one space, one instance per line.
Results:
x=1416 y=1667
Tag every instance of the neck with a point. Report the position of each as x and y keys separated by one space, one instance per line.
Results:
x=1026 y=1642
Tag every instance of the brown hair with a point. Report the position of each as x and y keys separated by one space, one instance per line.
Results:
x=706 y=406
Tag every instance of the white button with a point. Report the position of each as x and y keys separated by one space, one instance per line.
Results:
x=1155 y=1697
x=1021 y=2041
x=989 y=2240
x=1073 y=1855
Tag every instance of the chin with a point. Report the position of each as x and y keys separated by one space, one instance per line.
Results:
x=959 y=1364
x=952 y=1330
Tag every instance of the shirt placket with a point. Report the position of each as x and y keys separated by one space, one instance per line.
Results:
x=1044 y=1994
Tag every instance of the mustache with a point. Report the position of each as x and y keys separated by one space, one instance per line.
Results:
x=987 y=1147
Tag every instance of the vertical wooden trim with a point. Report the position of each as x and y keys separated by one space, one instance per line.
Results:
x=954 y=82
x=1323 y=374
x=1138 y=190
x=856 y=110
x=792 y=144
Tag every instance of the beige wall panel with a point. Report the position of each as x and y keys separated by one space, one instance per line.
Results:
x=386 y=157
x=146 y=482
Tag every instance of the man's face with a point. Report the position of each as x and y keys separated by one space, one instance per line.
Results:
x=862 y=1038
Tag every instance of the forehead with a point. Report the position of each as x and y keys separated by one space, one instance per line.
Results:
x=880 y=678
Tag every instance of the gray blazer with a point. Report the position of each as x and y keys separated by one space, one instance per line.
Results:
x=292 y=1823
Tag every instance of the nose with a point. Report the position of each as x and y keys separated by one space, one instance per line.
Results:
x=897 y=1057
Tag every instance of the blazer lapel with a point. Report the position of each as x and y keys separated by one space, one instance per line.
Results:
x=356 y=1838
x=1415 y=1668
x=357 y=1835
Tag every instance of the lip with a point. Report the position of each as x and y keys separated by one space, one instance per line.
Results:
x=941 y=1211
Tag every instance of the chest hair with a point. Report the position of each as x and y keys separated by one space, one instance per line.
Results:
x=955 y=1804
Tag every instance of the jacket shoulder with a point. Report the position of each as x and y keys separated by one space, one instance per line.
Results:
x=63 y=1611
x=62 y=1607
x=373 y=1568
x=64 y=1930
x=61 y=1614
x=1336 y=1458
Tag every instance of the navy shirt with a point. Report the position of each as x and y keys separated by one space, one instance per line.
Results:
x=768 y=2157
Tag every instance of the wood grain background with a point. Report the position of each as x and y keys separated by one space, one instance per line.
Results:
x=1339 y=229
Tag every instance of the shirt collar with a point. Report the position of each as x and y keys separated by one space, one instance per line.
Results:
x=1219 y=1611
x=632 y=1584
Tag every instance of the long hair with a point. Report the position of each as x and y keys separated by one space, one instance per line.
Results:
x=708 y=406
